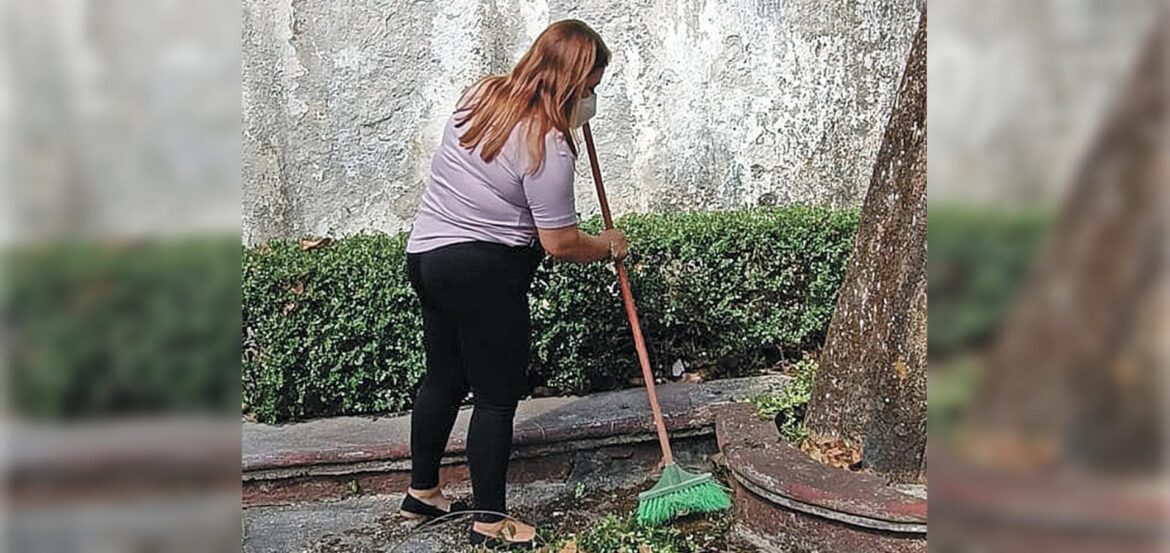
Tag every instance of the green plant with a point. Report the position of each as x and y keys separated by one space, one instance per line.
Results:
x=788 y=407
x=106 y=329
x=728 y=291
x=951 y=386
x=330 y=331
x=336 y=330
x=614 y=534
x=977 y=259
x=617 y=534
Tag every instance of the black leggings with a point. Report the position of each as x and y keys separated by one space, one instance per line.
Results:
x=476 y=332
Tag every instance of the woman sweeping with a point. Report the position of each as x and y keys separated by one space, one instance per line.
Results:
x=500 y=195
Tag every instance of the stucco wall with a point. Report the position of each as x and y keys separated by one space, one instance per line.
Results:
x=706 y=105
x=118 y=118
x=1018 y=90
x=124 y=117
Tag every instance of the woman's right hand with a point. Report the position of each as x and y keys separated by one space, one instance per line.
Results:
x=619 y=247
x=573 y=244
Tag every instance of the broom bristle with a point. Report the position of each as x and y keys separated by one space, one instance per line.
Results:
x=706 y=497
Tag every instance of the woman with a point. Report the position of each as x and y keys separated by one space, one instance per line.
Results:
x=501 y=180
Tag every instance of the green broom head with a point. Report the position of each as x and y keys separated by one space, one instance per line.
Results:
x=679 y=493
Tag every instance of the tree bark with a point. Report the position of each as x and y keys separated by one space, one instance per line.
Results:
x=870 y=389
x=1076 y=370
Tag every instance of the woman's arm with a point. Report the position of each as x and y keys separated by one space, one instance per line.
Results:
x=550 y=198
x=571 y=244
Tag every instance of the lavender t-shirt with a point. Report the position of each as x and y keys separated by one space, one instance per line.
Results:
x=468 y=200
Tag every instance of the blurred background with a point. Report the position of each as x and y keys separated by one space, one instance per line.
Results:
x=1047 y=275
x=120 y=150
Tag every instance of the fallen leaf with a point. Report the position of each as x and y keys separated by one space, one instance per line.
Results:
x=645 y=549
x=834 y=452
x=298 y=288
x=693 y=378
x=288 y=308
x=570 y=547
x=313 y=243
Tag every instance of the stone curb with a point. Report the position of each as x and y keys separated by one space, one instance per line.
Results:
x=130 y=458
x=282 y=463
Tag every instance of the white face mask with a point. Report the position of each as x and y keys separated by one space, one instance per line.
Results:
x=586 y=109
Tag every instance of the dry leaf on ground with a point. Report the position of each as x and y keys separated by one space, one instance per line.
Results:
x=311 y=243
x=834 y=452
x=570 y=547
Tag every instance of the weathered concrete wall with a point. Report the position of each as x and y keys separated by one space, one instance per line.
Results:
x=123 y=117
x=118 y=118
x=707 y=104
x=1018 y=89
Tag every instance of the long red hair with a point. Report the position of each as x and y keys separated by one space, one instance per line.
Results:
x=541 y=92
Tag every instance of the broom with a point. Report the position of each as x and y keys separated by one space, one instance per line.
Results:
x=677 y=492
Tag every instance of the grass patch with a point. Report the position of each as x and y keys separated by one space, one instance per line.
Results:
x=951 y=385
x=623 y=534
x=789 y=406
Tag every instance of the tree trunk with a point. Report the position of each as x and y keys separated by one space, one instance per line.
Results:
x=1076 y=369
x=870 y=389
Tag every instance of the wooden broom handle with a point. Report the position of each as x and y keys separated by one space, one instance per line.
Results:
x=631 y=311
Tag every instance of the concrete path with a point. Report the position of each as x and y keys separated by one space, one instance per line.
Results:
x=370 y=524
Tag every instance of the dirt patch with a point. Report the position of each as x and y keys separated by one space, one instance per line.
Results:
x=570 y=518
x=563 y=518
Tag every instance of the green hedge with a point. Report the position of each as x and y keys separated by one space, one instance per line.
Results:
x=99 y=329
x=330 y=331
x=336 y=330
x=113 y=329
x=976 y=261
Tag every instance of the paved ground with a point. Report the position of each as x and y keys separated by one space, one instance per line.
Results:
x=596 y=482
x=361 y=524
x=597 y=485
x=188 y=522
x=369 y=524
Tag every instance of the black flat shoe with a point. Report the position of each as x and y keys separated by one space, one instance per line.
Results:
x=414 y=508
x=498 y=543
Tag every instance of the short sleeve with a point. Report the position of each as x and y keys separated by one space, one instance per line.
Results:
x=550 y=190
